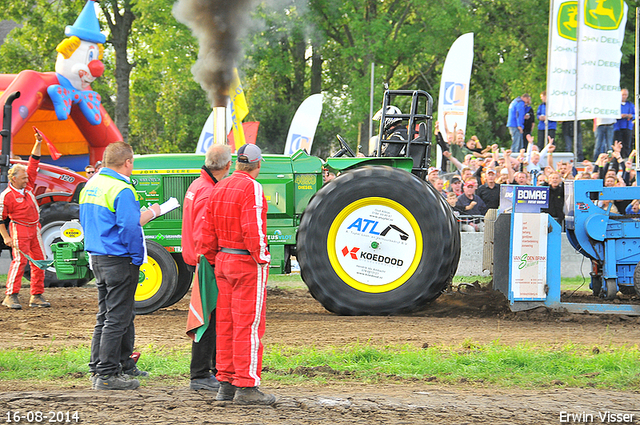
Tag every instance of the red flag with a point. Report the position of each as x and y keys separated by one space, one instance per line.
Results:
x=250 y=134
x=52 y=149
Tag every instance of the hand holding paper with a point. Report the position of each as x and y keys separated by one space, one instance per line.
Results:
x=170 y=205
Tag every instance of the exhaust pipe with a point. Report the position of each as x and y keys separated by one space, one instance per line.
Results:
x=5 y=157
x=219 y=125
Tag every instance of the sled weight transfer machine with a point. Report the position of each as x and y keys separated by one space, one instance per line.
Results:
x=533 y=255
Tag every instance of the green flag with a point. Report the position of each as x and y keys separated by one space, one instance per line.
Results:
x=204 y=297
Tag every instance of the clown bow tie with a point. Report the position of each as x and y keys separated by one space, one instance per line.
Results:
x=64 y=97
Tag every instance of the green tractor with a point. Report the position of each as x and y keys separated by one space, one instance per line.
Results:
x=376 y=240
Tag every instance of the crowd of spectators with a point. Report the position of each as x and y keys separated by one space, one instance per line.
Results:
x=472 y=185
x=471 y=174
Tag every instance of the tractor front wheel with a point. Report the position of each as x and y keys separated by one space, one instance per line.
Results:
x=158 y=279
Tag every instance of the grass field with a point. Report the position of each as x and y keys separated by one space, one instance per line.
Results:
x=494 y=364
x=522 y=366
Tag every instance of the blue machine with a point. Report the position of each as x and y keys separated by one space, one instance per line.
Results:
x=611 y=241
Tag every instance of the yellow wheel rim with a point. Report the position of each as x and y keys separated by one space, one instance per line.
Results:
x=150 y=280
x=375 y=245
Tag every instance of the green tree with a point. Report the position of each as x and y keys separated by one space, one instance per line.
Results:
x=407 y=41
x=509 y=60
x=168 y=107
x=119 y=18
x=280 y=62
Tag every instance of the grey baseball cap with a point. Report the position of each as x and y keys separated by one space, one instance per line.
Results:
x=249 y=154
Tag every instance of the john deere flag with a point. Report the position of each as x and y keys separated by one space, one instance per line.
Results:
x=592 y=30
x=599 y=54
x=204 y=296
x=239 y=109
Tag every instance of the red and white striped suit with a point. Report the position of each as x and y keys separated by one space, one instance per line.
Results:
x=237 y=219
x=22 y=209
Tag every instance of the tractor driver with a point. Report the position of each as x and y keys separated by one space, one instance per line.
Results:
x=393 y=129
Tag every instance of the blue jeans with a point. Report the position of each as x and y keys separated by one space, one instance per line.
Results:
x=517 y=141
x=604 y=140
x=541 y=141
x=114 y=333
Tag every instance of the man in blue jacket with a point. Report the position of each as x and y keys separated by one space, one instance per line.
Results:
x=623 y=128
x=543 y=123
x=112 y=223
x=515 y=121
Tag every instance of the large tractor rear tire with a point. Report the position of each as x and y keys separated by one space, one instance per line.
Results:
x=377 y=241
x=158 y=279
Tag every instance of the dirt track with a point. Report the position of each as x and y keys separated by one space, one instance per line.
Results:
x=294 y=318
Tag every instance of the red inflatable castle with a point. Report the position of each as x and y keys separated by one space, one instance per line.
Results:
x=61 y=104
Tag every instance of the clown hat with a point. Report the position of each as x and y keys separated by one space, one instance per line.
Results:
x=86 y=26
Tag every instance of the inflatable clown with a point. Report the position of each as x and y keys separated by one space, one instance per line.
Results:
x=77 y=66
x=62 y=104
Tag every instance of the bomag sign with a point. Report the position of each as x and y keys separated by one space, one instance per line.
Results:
x=603 y=14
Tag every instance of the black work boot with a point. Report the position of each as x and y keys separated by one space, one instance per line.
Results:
x=209 y=384
x=252 y=395
x=226 y=391
x=134 y=372
x=116 y=382
x=11 y=301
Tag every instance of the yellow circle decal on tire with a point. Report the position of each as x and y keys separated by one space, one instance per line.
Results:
x=375 y=245
x=150 y=281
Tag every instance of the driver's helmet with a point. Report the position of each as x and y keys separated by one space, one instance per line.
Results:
x=388 y=121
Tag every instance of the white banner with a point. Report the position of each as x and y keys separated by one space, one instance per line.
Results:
x=601 y=31
x=561 y=85
x=529 y=256
x=304 y=124
x=599 y=55
x=453 y=101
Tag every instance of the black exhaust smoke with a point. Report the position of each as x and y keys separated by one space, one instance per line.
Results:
x=218 y=25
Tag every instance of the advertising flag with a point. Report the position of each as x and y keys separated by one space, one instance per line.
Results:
x=592 y=30
x=239 y=109
x=453 y=102
x=561 y=85
x=304 y=124
x=599 y=54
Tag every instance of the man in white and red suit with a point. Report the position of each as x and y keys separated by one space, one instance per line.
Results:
x=18 y=203
x=235 y=238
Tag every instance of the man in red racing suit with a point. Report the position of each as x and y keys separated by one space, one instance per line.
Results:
x=216 y=167
x=18 y=203
x=234 y=237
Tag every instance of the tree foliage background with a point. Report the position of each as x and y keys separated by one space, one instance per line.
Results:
x=296 y=48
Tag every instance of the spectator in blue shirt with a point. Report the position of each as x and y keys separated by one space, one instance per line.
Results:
x=542 y=116
x=623 y=128
x=515 y=121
